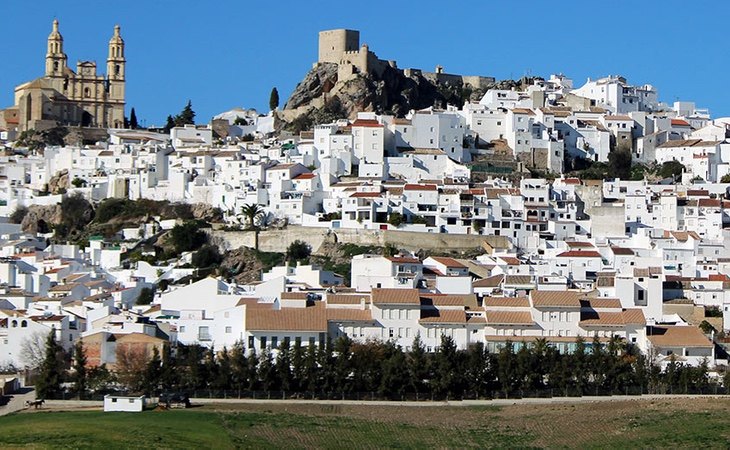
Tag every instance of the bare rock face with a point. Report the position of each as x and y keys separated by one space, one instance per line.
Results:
x=206 y=212
x=321 y=96
x=243 y=265
x=58 y=181
x=39 y=219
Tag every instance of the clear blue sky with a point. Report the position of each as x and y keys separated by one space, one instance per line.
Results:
x=231 y=53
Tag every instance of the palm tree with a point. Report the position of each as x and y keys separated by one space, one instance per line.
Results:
x=253 y=212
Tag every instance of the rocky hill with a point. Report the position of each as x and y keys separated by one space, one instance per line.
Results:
x=320 y=97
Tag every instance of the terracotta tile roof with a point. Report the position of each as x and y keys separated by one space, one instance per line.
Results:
x=509 y=318
x=619 y=118
x=622 y=251
x=287 y=319
x=419 y=187
x=698 y=193
x=569 y=299
x=510 y=260
x=370 y=123
x=346 y=299
x=677 y=336
x=305 y=176
x=625 y=317
x=527 y=111
x=709 y=202
x=518 y=280
x=506 y=302
x=571 y=180
x=396 y=296
x=579 y=244
x=448 y=262
x=579 y=254
x=365 y=195
x=443 y=316
x=467 y=300
x=348 y=315
x=493 y=281
x=294 y=295
x=680 y=123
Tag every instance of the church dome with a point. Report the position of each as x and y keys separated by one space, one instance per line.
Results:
x=55 y=34
x=117 y=38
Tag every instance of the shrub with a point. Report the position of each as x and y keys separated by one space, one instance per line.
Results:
x=146 y=295
x=396 y=219
x=18 y=215
x=299 y=250
x=187 y=236
x=207 y=256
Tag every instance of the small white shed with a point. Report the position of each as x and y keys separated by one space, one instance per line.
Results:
x=117 y=403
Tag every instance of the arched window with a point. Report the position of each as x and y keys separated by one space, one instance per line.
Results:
x=24 y=324
x=87 y=92
x=116 y=69
x=55 y=66
x=15 y=323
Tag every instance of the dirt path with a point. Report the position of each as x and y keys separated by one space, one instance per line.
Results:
x=17 y=402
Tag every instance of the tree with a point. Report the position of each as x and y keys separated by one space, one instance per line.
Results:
x=169 y=124
x=671 y=169
x=725 y=178
x=207 y=256
x=76 y=213
x=283 y=366
x=396 y=219
x=274 y=99
x=79 y=368
x=18 y=215
x=186 y=116
x=418 y=365
x=131 y=367
x=152 y=373
x=78 y=182
x=48 y=383
x=187 y=236
x=33 y=350
x=145 y=297
x=298 y=250
x=619 y=163
x=253 y=213
x=133 y=120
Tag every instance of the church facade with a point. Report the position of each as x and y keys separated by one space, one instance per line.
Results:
x=64 y=97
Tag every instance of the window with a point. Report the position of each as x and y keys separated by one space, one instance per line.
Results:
x=262 y=342
x=250 y=342
x=228 y=330
x=274 y=341
x=391 y=333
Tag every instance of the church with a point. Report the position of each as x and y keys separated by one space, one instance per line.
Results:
x=67 y=98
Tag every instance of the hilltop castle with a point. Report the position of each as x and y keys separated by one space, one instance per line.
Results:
x=343 y=48
x=64 y=97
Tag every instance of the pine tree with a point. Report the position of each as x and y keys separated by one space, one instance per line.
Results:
x=418 y=365
x=186 y=116
x=224 y=379
x=283 y=366
x=239 y=367
x=48 y=383
x=274 y=99
x=298 y=367
x=169 y=125
x=133 y=120
x=267 y=370
x=79 y=367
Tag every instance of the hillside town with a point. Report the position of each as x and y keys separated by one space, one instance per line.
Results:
x=552 y=211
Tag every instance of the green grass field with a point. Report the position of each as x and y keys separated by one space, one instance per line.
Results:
x=601 y=425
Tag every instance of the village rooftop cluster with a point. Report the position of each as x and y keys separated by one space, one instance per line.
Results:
x=561 y=257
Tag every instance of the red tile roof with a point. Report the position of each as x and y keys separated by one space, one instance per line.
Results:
x=419 y=187
x=680 y=123
x=370 y=123
x=579 y=254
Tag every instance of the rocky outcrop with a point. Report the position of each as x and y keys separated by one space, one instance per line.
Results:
x=206 y=212
x=59 y=181
x=321 y=96
x=242 y=265
x=39 y=219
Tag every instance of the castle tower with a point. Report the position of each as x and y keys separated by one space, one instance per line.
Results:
x=334 y=43
x=56 y=59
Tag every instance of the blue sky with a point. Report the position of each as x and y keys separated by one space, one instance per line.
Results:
x=226 y=54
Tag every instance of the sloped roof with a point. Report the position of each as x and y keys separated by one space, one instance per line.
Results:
x=509 y=318
x=569 y=299
x=288 y=319
x=396 y=296
x=677 y=336
x=436 y=315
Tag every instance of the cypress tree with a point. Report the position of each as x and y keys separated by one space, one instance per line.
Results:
x=79 y=367
x=48 y=383
x=274 y=99
x=133 y=120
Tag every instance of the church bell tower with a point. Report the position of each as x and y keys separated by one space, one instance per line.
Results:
x=56 y=59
